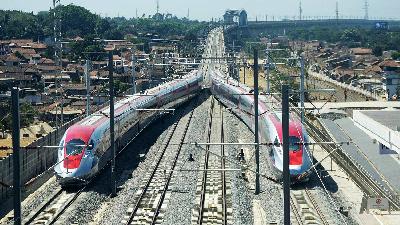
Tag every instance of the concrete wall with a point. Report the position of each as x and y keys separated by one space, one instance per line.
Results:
x=34 y=161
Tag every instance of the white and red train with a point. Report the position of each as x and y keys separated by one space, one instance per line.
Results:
x=233 y=95
x=86 y=144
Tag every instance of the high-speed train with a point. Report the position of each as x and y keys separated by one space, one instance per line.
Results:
x=85 y=146
x=233 y=95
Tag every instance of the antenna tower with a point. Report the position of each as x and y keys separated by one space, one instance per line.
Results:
x=300 y=12
x=366 y=6
x=337 y=10
x=158 y=6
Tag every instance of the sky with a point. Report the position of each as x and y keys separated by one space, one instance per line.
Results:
x=207 y=9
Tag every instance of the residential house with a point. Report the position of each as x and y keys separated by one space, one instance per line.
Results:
x=12 y=60
x=391 y=76
x=5 y=48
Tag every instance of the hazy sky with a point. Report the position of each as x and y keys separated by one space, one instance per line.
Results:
x=206 y=9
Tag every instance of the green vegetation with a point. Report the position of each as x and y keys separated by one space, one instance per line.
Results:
x=78 y=21
x=27 y=115
x=396 y=55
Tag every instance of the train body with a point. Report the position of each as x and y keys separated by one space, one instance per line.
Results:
x=233 y=95
x=85 y=146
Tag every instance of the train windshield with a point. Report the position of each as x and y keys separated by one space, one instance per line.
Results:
x=294 y=143
x=75 y=147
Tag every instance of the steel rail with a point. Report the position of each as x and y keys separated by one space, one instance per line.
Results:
x=295 y=211
x=207 y=155
x=165 y=189
x=223 y=175
x=149 y=181
x=316 y=207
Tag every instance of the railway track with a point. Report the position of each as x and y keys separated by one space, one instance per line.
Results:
x=305 y=208
x=213 y=194
x=151 y=199
x=51 y=210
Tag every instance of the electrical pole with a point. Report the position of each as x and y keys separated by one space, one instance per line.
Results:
x=16 y=155
x=266 y=70
x=244 y=70
x=302 y=94
x=112 y=126
x=257 y=152
x=285 y=134
x=87 y=81
x=55 y=57
x=300 y=11
x=133 y=73
x=337 y=11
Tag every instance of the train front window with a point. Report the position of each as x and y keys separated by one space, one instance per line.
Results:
x=294 y=144
x=75 y=147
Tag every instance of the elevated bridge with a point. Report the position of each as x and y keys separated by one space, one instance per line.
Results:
x=256 y=27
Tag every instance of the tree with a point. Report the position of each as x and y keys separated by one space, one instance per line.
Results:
x=396 y=55
x=377 y=51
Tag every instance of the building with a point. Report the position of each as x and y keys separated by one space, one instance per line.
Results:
x=4 y=48
x=238 y=17
x=391 y=76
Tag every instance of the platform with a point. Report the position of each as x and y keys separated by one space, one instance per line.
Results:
x=383 y=168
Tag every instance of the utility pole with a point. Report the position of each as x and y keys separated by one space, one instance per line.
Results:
x=133 y=73
x=112 y=126
x=87 y=81
x=244 y=70
x=302 y=94
x=55 y=57
x=300 y=12
x=266 y=69
x=285 y=134
x=257 y=152
x=337 y=11
x=16 y=155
